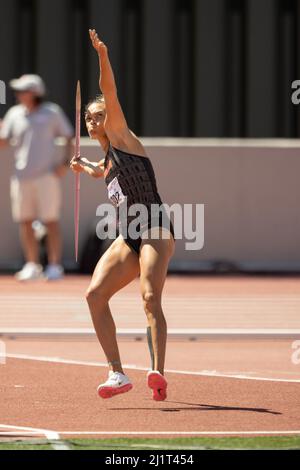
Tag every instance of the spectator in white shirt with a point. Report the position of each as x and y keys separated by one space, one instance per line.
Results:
x=32 y=127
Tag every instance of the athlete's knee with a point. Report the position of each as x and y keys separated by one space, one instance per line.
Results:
x=90 y=295
x=96 y=295
x=152 y=302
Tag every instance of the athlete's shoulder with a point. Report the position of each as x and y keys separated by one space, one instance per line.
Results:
x=131 y=144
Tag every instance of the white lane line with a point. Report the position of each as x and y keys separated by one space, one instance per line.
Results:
x=134 y=367
x=175 y=433
x=153 y=433
x=19 y=433
x=169 y=297
x=269 y=332
x=52 y=436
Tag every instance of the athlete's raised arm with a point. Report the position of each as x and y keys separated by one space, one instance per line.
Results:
x=115 y=118
x=115 y=124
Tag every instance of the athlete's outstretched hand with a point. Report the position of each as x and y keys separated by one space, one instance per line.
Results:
x=94 y=169
x=98 y=45
x=77 y=164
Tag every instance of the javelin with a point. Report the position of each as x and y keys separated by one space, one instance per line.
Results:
x=77 y=177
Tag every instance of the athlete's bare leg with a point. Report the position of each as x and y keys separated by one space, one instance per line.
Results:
x=117 y=267
x=154 y=259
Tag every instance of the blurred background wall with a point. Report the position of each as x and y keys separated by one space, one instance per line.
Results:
x=188 y=68
x=184 y=68
x=250 y=191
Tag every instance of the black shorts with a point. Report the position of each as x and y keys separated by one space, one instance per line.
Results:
x=135 y=244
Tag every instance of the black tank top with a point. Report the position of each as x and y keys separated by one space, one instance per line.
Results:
x=130 y=176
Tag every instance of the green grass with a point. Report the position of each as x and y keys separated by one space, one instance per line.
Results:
x=25 y=445
x=265 y=442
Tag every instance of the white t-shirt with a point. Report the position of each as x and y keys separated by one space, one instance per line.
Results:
x=33 y=136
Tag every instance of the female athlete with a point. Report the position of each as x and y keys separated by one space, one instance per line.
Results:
x=130 y=179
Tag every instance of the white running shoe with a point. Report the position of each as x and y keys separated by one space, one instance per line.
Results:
x=29 y=272
x=54 y=272
x=116 y=383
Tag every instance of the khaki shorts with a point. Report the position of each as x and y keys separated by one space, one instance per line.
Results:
x=38 y=198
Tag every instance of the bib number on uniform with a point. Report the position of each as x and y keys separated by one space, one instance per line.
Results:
x=115 y=192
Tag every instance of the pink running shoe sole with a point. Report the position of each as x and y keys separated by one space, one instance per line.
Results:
x=158 y=384
x=109 y=392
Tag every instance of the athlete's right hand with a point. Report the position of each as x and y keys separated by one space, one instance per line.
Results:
x=77 y=164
